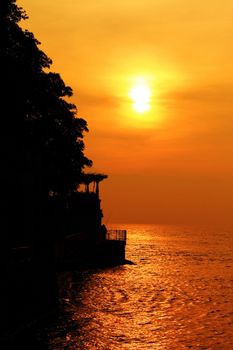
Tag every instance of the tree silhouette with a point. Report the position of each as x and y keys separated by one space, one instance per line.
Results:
x=43 y=150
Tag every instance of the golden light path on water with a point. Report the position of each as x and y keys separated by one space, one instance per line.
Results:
x=178 y=294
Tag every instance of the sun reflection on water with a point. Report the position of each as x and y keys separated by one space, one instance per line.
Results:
x=176 y=295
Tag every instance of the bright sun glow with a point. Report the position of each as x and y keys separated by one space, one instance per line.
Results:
x=140 y=94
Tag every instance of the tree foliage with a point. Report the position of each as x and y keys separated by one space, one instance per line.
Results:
x=45 y=138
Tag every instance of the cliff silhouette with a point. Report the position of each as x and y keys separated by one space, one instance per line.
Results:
x=42 y=162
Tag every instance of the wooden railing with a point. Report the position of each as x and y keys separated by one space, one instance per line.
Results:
x=117 y=235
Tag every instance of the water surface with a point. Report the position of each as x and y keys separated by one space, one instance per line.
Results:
x=178 y=294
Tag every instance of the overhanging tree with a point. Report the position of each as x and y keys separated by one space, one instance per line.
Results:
x=44 y=122
x=43 y=148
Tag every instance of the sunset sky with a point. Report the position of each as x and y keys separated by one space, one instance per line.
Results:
x=172 y=163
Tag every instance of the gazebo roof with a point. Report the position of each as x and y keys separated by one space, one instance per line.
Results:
x=87 y=178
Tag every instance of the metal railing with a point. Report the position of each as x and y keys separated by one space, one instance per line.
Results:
x=117 y=235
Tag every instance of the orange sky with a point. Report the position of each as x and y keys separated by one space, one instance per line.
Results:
x=174 y=163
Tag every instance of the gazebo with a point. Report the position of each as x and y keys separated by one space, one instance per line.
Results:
x=88 y=178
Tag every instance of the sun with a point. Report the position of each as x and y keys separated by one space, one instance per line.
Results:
x=140 y=94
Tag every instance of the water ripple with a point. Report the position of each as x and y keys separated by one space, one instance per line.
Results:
x=178 y=295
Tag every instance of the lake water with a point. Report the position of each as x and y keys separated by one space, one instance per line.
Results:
x=177 y=294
